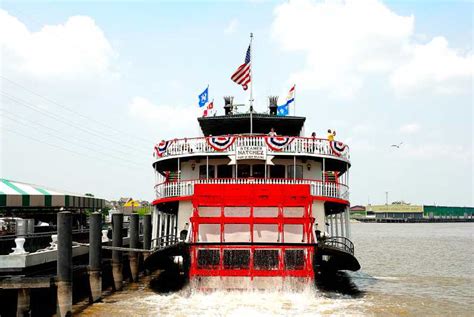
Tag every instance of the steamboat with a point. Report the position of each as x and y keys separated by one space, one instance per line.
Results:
x=240 y=207
x=252 y=202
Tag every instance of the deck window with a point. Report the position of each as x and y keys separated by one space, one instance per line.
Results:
x=224 y=171
x=266 y=259
x=277 y=171
x=203 y=171
x=295 y=171
x=236 y=259
x=258 y=170
x=243 y=170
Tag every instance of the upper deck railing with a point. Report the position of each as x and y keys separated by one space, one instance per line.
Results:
x=317 y=187
x=227 y=145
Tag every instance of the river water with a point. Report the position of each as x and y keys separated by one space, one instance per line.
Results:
x=407 y=269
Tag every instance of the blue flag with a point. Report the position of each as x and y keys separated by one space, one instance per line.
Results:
x=204 y=97
x=283 y=110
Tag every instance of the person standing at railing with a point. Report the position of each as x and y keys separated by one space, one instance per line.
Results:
x=312 y=140
x=331 y=135
x=272 y=132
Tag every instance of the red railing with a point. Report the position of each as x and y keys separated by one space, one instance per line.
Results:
x=299 y=146
x=317 y=187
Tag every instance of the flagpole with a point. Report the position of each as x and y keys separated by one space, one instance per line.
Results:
x=251 y=85
x=294 y=100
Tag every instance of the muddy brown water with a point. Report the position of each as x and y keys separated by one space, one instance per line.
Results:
x=407 y=270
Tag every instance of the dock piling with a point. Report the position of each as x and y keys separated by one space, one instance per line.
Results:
x=117 y=225
x=95 y=256
x=133 y=256
x=64 y=264
x=146 y=234
x=23 y=303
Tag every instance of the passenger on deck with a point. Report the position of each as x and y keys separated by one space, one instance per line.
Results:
x=331 y=135
x=272 y=132
x=184 y=233
x=312 y=143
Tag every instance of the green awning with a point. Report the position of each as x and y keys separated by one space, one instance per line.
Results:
x=15 y=194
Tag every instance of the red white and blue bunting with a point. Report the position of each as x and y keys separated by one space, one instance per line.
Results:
x=277 y=143
x=220 y=143
x=338 y=148
x=161 y=148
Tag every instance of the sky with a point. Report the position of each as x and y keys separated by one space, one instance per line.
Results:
x=87 y=88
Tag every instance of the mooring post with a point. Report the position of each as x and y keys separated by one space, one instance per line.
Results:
x=23 y=303
x=133 y=256
x=95 y=256
x=146 y=234
x=64 y=264
x=117 y=225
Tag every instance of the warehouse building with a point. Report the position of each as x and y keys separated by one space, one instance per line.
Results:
x=396 y=211
x=448 y=212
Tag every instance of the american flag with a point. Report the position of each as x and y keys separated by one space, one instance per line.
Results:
x=242 y=75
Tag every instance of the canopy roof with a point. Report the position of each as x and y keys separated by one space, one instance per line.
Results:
x=15 y=194
x=262 y=123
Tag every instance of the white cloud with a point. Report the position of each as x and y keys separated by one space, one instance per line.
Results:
x=232 y=26
x=436 y=66
x=410 y=128
x=346 y=42
x=169 y=121
x=77 y=48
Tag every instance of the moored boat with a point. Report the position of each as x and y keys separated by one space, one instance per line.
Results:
x=245 y=204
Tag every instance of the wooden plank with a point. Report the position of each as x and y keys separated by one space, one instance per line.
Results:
x=26 y=282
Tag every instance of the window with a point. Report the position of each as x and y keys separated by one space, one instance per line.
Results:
x=265 y=259
x=299 y=171
x=243 y=170
x=277 y=171
x=224 y=171
x=258 y=170
x=203 y=171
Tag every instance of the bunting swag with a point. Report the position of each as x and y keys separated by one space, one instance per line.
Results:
x=161 y=148
x=277 y=143
x=338 y=148
x=220 y=143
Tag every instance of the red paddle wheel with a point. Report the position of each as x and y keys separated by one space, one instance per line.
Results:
x=252 y=231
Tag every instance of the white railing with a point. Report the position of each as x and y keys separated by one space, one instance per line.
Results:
x=186 y=187
x=299 y=146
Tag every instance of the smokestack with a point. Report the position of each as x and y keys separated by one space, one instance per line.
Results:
x=228 y=105
x=273 y=104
